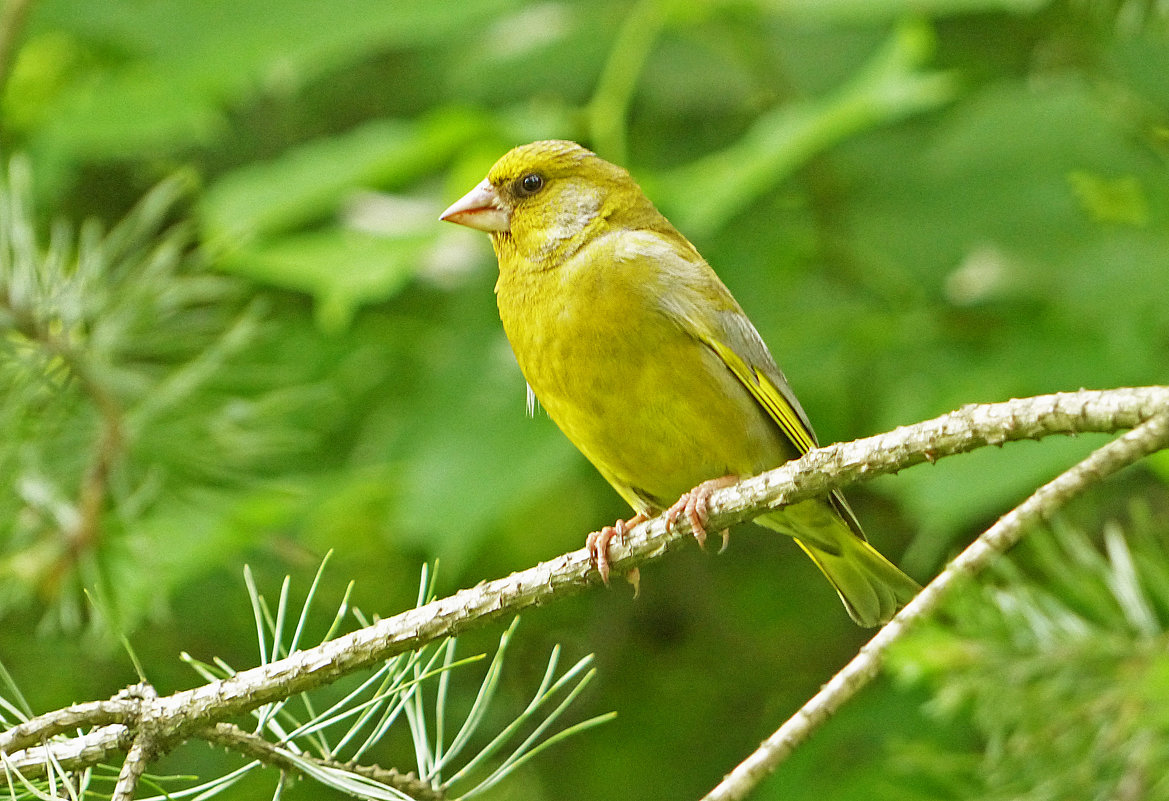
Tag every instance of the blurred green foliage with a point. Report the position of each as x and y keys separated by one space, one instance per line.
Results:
x=919 y=204
x=1060 y=659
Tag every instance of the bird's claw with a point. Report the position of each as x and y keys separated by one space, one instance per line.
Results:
x=694 y=505
x=598 y=542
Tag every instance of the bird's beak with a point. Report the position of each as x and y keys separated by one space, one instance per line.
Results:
x=480 y=208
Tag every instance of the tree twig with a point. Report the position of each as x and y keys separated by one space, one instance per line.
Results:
x=96 y=747
x=1147 y=438
x=255 y=746
x=186 y=714
x=137 y=759
x=141 y=752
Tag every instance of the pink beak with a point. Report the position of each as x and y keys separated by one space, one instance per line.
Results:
x=480 y=209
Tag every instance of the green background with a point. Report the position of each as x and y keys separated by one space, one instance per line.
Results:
x=920 y=205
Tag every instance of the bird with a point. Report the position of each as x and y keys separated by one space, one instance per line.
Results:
x=646 y=362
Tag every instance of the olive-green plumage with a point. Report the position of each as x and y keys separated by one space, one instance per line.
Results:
x=643 y=358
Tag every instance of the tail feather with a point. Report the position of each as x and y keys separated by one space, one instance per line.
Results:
x=871 y=587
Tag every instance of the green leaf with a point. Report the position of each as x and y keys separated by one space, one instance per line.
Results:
x=309 y=182
x=702 y=196
x=181 y=64
x=341 y=269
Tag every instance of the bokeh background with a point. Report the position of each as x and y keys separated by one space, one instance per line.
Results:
x=920 y=205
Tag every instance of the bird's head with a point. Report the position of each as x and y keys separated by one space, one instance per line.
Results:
x=548 y=198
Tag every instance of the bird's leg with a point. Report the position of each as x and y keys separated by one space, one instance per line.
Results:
x=693 y=505
x=598 y=546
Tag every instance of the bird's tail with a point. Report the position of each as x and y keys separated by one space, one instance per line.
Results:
x=871 y=587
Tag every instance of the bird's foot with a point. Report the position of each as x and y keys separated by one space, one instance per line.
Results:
x=598 y=547
x=693 y=504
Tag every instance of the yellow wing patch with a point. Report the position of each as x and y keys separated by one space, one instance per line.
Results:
x=768 y=396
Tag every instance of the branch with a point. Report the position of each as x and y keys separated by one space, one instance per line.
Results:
x=96 y=747
x=255 y=746
x=188 y=713
x=1149 y=437
x=138 y=757
x=141 y=753
x=94 y=489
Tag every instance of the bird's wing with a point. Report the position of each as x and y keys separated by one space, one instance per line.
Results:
x=702 y=305
x=774 y=396
x=770 y=389
x=694 y=297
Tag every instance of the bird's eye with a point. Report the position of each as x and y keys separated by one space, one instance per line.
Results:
x=531 y=183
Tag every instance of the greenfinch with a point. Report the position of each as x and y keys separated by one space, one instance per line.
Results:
x=645 y=361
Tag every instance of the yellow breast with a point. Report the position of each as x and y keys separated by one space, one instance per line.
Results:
x=654 y=409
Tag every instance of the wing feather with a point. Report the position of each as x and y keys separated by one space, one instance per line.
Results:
x=787 y=416
x=693 y=290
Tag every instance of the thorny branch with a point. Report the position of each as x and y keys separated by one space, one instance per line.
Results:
x=195 y=713
x=1147 y=438
x=252 y=745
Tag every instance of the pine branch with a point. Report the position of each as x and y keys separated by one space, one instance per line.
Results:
x=256 y=747
x=137 y=758
x=1147 y=438
x=107 y=449
x=183 y=715
x=122 y=359
x=142 y=750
